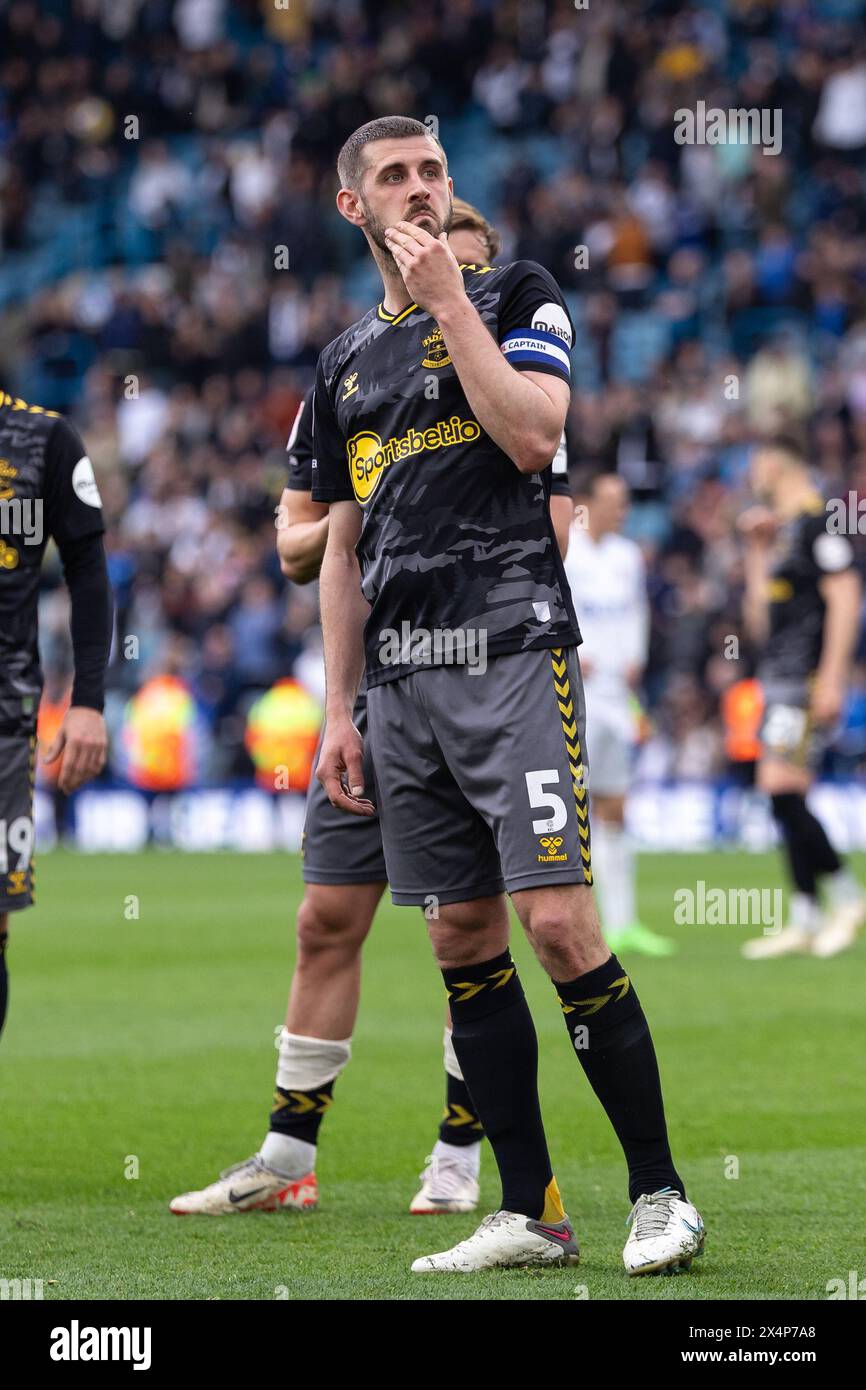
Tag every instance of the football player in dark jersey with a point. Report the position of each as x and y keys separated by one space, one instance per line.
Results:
x=435 y=418
x=47 y=489
x=802 y=608
x=345 y=877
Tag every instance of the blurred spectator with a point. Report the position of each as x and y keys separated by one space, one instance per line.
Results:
x=171 y=286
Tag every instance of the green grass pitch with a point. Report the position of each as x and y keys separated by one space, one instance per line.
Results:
x=152 y=1038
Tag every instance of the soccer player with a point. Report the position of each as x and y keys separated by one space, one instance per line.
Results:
x=441 y=570
x=47 y=488
x=344 y=875
x=608 y=584
x=802 y=609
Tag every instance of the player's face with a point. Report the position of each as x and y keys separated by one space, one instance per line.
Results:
x=469 y=246
x=404 y=181
x=764 y=473
x=609 y=504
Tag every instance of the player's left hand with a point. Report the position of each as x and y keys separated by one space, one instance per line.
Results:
x=429 y=268
x=83 y=741
x=828 y=698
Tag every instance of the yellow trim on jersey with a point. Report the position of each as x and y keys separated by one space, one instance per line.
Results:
x=562 y=687
x=395 y=318
x=17 y=404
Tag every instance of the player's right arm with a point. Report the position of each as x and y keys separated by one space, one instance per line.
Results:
x=74 y=519
x=302 y=533
x=344 y=612
x=302 y=524
x=757 y=525
x=343 y=607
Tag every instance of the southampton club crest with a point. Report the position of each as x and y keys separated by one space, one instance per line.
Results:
x=437 y=352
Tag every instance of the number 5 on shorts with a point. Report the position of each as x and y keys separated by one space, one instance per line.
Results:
x=540 y=799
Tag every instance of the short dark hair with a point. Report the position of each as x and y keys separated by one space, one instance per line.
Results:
x=350 y=161
x=788 y=442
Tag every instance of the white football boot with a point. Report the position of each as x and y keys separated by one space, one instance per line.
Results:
x=449 y=1183
x=805 y=920
x=841 y=929
x=506 y=1240
x=249 y=1186
x=666 y=1234
x=792 y=940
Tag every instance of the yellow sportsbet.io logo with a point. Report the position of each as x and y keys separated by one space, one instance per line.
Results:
x=369 y=456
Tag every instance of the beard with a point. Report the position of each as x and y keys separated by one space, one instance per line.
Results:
x=375 y=228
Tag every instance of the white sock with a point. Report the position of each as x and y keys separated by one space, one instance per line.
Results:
x=614 y=874
x=467 y=1155
x=452 y=1066
x=805 y=912
x=304 y=1064
x=309 y=1062
x=842 y=887
x=288 y=1156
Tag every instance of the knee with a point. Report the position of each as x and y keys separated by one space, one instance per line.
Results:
x=469 y=933
x=321 y=927
x=453 y=948
x=552 y=931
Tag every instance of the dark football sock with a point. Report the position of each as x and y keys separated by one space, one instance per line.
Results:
x=611 y=1037
x=460 y=1123
x=494 y=1039
x=4 y=979
x=808 y=849
x=299 y=1113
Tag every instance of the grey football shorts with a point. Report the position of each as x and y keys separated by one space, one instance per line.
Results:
x=481 y=779
x=788 y=731
x=18 y=763
x=338 y=847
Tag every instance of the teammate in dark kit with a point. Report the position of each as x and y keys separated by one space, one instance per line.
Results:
x=435 y=418
x=803 y=601
x=345 y=877
x=47 y=489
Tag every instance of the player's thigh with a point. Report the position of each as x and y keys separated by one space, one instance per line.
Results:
x=514 y=738
x=336 y=916
x=338 y=848
x=775 y=777
x=438 y=848
x=17 y=760
x=792 y=744
x=612 y=753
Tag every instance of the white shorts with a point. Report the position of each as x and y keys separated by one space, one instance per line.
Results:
x=610 y=740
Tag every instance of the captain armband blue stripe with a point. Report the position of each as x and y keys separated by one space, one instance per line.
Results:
x=533 y=345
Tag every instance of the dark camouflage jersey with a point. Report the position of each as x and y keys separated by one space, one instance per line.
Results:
x=454 y=538
x=47 y=489
x=805 y=551
x=300 y=451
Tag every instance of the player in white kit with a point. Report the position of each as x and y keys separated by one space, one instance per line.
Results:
x=608 y=585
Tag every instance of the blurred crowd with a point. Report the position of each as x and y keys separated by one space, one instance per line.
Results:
x=173 y=264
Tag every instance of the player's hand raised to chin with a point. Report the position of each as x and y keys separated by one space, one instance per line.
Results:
x=428 y=266
x=341 y=768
